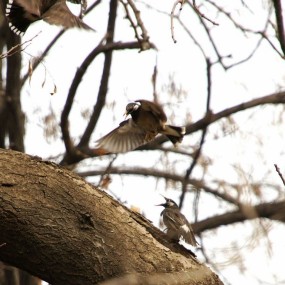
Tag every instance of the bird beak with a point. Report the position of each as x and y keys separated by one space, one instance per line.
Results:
x=126 y=114
x=163 y=204
x=163 y=197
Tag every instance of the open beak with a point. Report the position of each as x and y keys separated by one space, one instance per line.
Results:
x=163 y=204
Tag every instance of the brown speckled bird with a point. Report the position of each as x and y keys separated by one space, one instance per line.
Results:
x=22 y=13
x=147 y=120
x=176 y=223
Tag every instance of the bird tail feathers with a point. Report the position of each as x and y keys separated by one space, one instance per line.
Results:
x=175 y=134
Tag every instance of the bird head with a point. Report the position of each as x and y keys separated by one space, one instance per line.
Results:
x=168 y=203
x=131 y=107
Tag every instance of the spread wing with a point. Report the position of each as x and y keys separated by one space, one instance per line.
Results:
x=59 y=14
x=128 y=136
x=22 y=13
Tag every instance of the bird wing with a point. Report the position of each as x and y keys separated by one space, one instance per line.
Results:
x=128 y=136
x=187 y=234
x=59 y=14
x=32 y=6
x=176 y=221
x=21 y=14
x=173 y=219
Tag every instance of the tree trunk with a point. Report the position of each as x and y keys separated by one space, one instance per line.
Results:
x=65 y=231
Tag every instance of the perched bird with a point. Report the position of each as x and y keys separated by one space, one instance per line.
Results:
x=22 y=13
x=147 y=120
x=176 y=224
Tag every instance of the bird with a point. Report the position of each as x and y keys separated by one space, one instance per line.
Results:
x=147 y=120
x=21 y=13
x=176 y=223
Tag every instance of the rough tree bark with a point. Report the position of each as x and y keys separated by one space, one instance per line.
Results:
x=60 y=228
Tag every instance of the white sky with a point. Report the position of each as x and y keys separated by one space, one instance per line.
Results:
x=131 y=79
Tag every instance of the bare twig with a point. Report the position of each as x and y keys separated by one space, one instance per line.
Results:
x=279 y=173
x=196 y=9
x=18 y=48
x=106 y=174
x=154 y=81
x=39 y=59
x=181 y=2
x=142 y=35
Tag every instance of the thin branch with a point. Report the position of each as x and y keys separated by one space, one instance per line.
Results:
x=280 y=24
x=18 y=48
x=177 y=2
x=196 y=9
x=141 y=36
x=40 y=58
x=272 y=45
x=198 y=152
x=192 y=37
x=197 y=184
x=279 y=173
x=106 y=172
x=103 y=88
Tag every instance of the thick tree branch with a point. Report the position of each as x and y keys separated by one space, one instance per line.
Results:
x=273 y=211
x=58 y=227
x=82 y=153
x=154 y=279
x=276 y=98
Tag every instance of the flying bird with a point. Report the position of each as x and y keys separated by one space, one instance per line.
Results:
x=176 y=223
x=147 y=120
x=22 y=13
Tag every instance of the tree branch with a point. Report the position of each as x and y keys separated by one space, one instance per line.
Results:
x=273 y=211
x=58 y=227
x=280 y=24
x=202 y=140
x=163 y=175
x=38 y=60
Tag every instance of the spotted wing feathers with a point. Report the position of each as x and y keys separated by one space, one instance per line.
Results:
x=125 y=138
x=178 y=226
x=22 y=13
x=59 y=14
